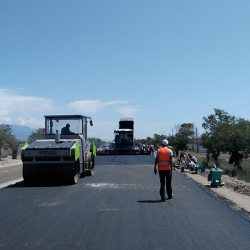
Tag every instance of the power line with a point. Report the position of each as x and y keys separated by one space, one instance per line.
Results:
x=242 y=107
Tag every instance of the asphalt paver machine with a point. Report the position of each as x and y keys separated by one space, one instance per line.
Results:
x=123 y=139
x=64 y=154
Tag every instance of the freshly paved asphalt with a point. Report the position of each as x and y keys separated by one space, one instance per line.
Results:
x=118 y=208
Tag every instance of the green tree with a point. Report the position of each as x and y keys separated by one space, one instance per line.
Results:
x=157 y=139
x=13 y=144
x=225 y=133
x=5 y=131
x=206 y=142
x=186 y=130
x=217 y=127
x=239 y=141
x=37 y=135
x=179 y=141
x=98 y=142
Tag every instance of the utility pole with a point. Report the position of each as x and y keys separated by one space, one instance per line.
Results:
x=197 y=142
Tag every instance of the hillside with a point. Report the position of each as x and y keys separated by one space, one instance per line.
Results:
x=22 y=132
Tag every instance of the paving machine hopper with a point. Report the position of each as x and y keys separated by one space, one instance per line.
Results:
x=63 y=155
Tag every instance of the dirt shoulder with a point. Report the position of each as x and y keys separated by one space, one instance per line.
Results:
x=5 y=162
x=234 y=193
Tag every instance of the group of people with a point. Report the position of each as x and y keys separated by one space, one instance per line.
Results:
x=164 y=160
x=191 y=162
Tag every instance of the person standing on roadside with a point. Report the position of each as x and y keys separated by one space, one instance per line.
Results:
x=182 y=155
x=163 y=159
x=152 y=150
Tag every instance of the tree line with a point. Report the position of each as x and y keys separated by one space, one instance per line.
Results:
x=185 y=134
x=223 y=134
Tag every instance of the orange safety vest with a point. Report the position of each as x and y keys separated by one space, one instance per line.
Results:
x=164 y=161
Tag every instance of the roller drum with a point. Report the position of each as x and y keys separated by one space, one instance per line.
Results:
x=56 y=172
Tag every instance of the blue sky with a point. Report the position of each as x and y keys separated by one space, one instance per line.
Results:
x=160 y=62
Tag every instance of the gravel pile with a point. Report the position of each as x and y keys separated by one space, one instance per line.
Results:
x=238 y=186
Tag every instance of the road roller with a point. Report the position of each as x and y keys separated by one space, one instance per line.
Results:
x=64 y=154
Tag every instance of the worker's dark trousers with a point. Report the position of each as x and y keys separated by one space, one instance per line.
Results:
x=165 y=178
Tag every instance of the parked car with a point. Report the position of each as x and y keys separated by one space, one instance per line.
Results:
x=104 y=147
x=111 y=146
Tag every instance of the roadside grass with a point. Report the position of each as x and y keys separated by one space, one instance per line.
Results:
x=227 y=168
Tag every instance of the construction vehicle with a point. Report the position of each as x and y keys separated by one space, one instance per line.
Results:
x=124 y=136
x=123 y=139
x=64 y=154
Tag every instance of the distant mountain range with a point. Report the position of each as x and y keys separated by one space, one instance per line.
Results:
x=22 y=132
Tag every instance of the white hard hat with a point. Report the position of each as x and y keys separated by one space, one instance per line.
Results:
x=165 y=142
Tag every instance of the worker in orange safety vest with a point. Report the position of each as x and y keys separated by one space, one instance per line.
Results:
x=163 y=159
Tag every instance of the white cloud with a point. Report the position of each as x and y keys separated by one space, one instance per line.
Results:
x=4 y=112
x=86 y=106
x=31 y=122
x=91 y=106
x=29 y=111
x=14 y=108
x=5 y=120
x=14 y=103
x=99 y=127
x=128 y=111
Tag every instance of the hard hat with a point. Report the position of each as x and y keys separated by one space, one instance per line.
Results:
x=165 y=142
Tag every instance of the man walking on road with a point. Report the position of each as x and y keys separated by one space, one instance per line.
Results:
x=163 y=159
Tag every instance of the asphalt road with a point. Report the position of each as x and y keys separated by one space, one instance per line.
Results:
x=10 y=172
x=118 y=208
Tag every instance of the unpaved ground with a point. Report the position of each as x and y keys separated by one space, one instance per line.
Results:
x=234 y=193
x=9 y=161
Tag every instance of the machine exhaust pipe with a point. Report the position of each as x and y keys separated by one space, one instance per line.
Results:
x=57 y=136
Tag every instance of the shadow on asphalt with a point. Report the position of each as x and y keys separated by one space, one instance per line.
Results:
x=22 y=184
x=150 y=201
x=213 y=186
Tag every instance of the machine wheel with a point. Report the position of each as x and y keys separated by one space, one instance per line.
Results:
x=27 y=178
x=27 y=181
x=75 y=175
x=91 y=160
